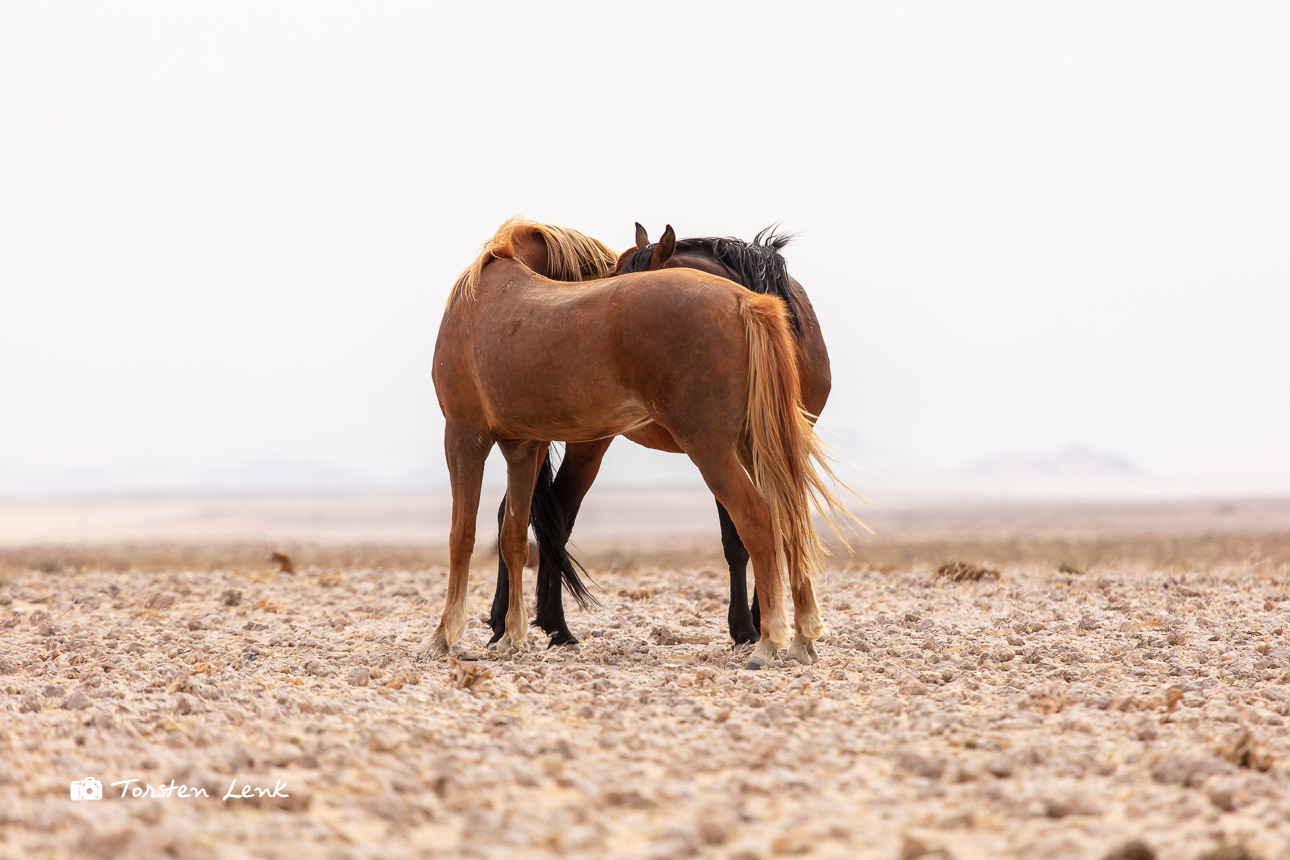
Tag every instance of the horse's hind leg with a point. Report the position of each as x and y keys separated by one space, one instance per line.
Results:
x=806 y=623
x=523 y=459
x=733 y=489
x=743 y=629
x=466 y=453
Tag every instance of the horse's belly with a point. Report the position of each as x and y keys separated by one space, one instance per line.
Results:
x=564 y=408
x=654 y=436
x=583 y=428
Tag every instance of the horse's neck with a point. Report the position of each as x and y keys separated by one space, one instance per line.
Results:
x=704 y=264
x=531 y=252
x=505 y=274
x=507 y=270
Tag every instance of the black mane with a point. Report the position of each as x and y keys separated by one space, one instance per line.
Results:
x=756 y=265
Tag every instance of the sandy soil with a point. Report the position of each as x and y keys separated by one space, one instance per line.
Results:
x=1139 y=694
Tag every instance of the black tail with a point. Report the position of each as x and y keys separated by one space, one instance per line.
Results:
x=547 y=517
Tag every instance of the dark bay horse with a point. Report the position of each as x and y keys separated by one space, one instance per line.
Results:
x=523 y=359
x=757 y=266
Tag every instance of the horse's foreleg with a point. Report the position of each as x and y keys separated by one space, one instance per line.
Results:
x=743 y=628
x=501 y=594
x=466 y=454
x=523 y=459
x=577 y=472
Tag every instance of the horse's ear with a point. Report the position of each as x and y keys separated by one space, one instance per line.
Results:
x=663 y=250
x=642 y=238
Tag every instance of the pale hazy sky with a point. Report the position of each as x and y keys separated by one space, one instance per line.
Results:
x=227 y=229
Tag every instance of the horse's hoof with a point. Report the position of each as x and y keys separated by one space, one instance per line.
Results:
x=432 y=648
x=763 y=655
x=562 y=637
x=803 y=653
x=508 y=645
x=744 y=636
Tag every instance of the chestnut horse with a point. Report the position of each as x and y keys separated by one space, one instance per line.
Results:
x=523 y=359
x=756 y=265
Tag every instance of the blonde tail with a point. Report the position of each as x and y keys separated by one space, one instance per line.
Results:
x=783 y=443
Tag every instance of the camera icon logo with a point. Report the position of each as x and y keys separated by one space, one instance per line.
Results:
x=87 y=789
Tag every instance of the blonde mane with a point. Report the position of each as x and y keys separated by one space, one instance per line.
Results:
x=570 y=254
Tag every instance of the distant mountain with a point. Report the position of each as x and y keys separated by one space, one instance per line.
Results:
x=1075 y=462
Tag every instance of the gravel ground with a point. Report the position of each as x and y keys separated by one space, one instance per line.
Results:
x=1041 y=714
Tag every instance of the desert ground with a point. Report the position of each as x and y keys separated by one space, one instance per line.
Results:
x=1011 y=680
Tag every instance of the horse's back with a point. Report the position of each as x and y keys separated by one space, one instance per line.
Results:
x=578 y=361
